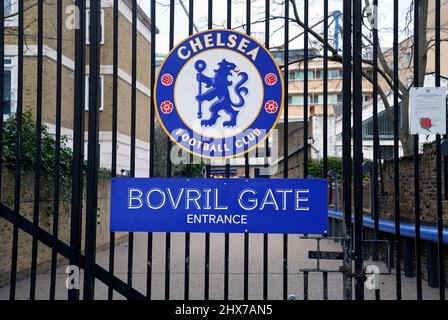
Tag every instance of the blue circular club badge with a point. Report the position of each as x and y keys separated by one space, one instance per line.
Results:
x=218 y=94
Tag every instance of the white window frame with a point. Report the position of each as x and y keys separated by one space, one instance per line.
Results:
x=86 y=101
x=13 y=68
x=312 y=98
x=13 y=21
x=8 y=65
x=88 y=26
x=408 y=58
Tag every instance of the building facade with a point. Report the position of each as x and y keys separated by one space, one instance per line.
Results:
x=49 y=75
x=296 y=88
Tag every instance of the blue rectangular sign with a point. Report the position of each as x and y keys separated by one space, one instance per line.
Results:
x=295 y=206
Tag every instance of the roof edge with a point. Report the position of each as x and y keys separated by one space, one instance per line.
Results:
x=142 y=15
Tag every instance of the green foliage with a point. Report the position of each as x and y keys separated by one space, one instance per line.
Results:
x=197 y=171
x=28 y=146
x=315 y=167
x=428 y=145
x=47 y=158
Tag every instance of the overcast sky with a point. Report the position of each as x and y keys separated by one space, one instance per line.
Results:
x=385 y=13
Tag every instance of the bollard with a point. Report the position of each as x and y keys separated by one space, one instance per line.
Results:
x=408 y=259
x=305 y=285
x=431 y=255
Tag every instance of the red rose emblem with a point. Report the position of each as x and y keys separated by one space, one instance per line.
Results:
x=271 y=106
x=426 y=123
x=166 y=107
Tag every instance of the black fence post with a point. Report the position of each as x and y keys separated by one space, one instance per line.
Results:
x=431 y=256
x=346 y=145
x=376 y=138
x=38 y=141
x=57 y=157
x=169 y=171
x=305 y=87
x=110 y=291
x=18 y=153
x=266 y=236
x=149 y=240
x=78 y=144
x=357 y=145
x=396 y=153
x=285 y=142
x=408 y=258
x=440 y=244
x=418 y=261
x=93 y=149
x=2 y=71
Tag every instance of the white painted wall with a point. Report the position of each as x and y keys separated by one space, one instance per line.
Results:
x=335 y=142
x=123 y=150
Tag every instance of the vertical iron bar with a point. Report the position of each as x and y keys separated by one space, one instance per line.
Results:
x=418 y=258
x=207 y=265
x=190 y=17
x=93 y=150
x=305 y=285
x=357 y=145
x=346 y=145
x=439 y=168
x=38 y=141
x=133 y=137
x=57 y=157
x=2 y=71
x=187 y=267
x=78 y=144
x=18 y=154
x=210 y=14
x=207 y=253
x=226 y=256
x=187 y=234
x=110 y=291
x=325 y=124
x=229 y=26
x=266 y=236
x=305 y=89
x=376 y=139
x=226 y=236
x=247 y=176
x=246 y=265
x=229 y=14
x=169 y=171
x=445 y=173
x=285 y=143
x=396 y=155
x=151 y=123
x=325 y=285
x=208 y=172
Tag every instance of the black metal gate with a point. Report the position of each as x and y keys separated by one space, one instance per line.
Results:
x=83 y=198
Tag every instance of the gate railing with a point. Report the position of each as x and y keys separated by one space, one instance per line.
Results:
x=352 y=64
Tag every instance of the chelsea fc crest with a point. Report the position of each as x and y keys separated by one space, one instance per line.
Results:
x=218 y=94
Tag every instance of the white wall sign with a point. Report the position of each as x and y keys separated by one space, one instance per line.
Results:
x=427 y=114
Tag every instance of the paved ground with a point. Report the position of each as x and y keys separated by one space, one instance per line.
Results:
x=297 y=250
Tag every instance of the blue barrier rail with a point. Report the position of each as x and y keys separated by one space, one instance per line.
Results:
x=407 y=230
